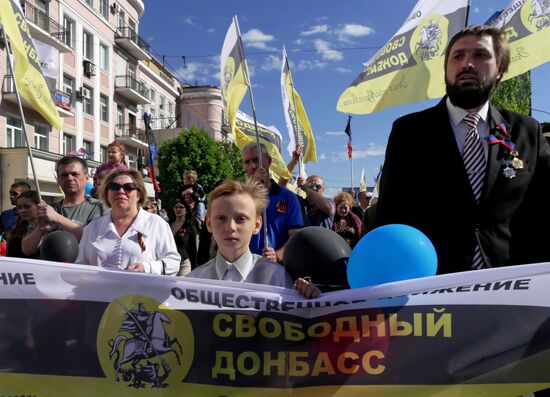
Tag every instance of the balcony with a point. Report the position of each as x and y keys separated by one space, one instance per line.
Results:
x=131 y=136
x=63 y=101
x=131 y=89
x=45 y=29
x=127 y=38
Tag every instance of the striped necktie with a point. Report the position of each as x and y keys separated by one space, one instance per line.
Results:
x=474 y=156
x=474 y=163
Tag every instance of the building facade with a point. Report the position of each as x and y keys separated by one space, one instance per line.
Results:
x=106 y=79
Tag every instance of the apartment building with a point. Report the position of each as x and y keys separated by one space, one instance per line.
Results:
x=107 y=79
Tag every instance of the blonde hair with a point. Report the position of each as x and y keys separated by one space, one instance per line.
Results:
x=192 y=174
x=343 y=197
x=254 y=189
x=136 y=178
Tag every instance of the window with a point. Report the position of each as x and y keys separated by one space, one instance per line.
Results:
x=41 y=15
x=132 y=161
x=41 y=135
x=104 y=8
x=103 y=154
x=162 y=102
x=103 y=57
x=104 y=108
x=14 y=132
x=120 y=22
x=68 y=85
x=88 y=45
x=152 y=96
x=90 y=3
x=69 y=143
x=170 y=108
x=88 y=103
x=69 y=26
x=89 y=146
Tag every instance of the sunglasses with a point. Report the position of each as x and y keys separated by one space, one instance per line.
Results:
x=314 y=186
x=128 y=187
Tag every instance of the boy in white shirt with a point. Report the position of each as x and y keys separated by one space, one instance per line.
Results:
x=234 y=215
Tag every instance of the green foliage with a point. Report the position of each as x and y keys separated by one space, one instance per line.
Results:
x=195 y=150
x=514 y=94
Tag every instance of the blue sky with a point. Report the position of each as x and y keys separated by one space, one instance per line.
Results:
x=327 y=41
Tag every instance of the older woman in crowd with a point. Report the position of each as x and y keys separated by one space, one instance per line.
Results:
x=128 y=238
x=346 y=223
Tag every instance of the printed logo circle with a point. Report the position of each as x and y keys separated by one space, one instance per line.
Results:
x=429 y=38
x=144 y=344
x=535 y=15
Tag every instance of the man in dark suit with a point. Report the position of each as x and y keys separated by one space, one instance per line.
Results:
x=481 y=175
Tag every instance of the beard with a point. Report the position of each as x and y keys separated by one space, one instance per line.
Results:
x=471 y=96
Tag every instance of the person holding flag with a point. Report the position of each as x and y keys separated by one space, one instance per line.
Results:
x=283 y=214
x=483 y=172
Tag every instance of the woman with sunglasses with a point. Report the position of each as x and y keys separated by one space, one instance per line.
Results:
x=26 y=207
x=129 y=238
x=185 y=236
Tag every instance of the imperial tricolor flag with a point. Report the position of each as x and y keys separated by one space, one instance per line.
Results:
x=409 y=68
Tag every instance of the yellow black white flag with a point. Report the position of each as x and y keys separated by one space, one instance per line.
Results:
x=409 y=68
x=297 y=123
x=233 y=76
x=245 y=133
x=27 y=72
x=527 y=28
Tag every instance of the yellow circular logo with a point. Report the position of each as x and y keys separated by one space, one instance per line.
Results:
x=429 y=38
x=144 y=344
x=535 y=15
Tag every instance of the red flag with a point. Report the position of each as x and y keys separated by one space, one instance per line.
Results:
x=348 y=133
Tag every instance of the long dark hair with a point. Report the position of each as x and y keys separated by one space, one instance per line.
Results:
x=21 y=226
x=188 y=213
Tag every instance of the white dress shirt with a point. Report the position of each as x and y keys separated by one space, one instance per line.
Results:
x=456 y=117
x=102 y=246
x=252 y=268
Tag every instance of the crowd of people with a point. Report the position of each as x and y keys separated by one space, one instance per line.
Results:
x=495 y=178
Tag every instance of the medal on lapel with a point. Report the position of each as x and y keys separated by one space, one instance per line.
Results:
x=517 y=163
x=512 y=162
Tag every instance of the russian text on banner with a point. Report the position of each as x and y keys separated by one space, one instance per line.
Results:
x=409 y=68
x=527 y=28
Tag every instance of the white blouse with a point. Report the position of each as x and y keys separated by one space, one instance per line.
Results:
x=102 y=246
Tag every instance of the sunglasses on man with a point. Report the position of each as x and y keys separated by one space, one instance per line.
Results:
x=128 y=187
x=314 y=186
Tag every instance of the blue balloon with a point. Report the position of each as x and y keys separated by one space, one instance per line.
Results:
x=391 y=253
x=89 y=187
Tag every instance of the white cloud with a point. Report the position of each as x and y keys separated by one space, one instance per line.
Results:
x=255 y=38
x=353 y=30
x=271 y=62
x=342 y=70
x=327 y=53
x=211 y=30
x=476 y=10
x=198 y=72
x=309 y=65
x=189 y=21
x=371 y=151
x=299 y=41
x=316 y=29
x=335 y=133
x=323 y=156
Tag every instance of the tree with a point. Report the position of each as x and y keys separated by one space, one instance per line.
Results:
x=515 y=94
x=195 y=150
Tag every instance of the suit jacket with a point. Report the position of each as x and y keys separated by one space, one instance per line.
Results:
x=424 y=184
